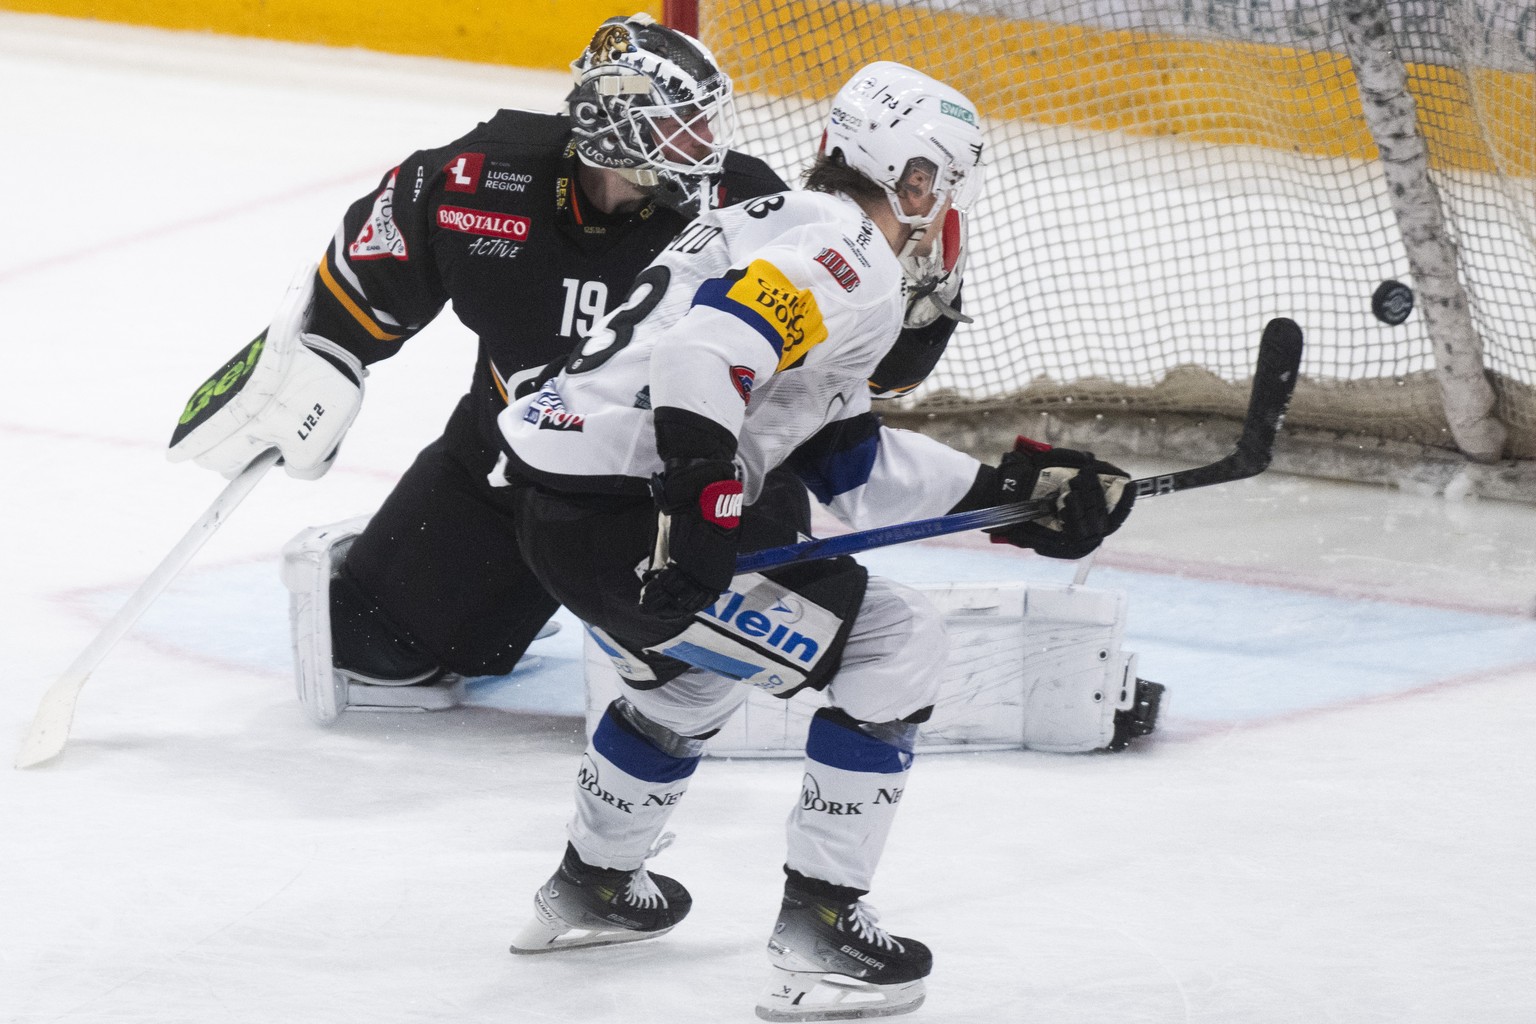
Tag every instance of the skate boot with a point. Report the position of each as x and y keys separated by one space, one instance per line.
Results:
x=586 y=906
x=832 y=962
x=1141 y=718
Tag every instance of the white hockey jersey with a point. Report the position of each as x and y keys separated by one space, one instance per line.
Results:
x=767 y=318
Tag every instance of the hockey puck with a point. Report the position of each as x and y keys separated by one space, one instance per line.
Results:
x=1392 y=302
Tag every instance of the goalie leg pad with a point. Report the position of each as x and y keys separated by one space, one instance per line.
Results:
x=1037 y=665
x=1076 y=680
x=310 y=563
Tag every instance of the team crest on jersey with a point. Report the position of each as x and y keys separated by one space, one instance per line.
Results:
x=379 y=237
x=838 y=267
x=742 y=378
x=548 y=412
x=761 y=297
x=463 y=172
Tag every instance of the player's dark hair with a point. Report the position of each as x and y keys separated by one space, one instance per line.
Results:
x=829 y=174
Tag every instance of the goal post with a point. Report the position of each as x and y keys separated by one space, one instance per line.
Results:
x=1165 y=176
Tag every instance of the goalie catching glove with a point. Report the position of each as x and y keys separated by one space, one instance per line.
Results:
x=698 y=531
x=288 y=390
x=1092 y=498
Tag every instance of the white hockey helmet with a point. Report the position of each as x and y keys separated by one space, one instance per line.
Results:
x=913 y=136
x=652 y=104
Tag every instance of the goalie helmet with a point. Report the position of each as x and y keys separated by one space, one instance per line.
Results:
x=916 y=138
x=652 y=104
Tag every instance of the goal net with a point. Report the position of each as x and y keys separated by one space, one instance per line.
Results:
x=1164 y=176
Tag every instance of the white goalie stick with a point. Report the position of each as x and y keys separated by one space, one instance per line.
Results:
x=50 y=726
x=1274 y=378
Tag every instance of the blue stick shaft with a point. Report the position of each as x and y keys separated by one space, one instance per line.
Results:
x=900 y=533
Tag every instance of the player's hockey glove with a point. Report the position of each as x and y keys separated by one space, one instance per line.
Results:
x=288 y=390
x=1092 y=498
x=698 y=531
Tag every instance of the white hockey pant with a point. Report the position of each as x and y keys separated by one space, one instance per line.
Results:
x=637 y=767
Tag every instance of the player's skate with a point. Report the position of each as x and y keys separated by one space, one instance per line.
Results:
x=832 y=962
x=586 y=906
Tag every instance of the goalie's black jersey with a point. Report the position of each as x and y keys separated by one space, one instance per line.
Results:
x=495 y=224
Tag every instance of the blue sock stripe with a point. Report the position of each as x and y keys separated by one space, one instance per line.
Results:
x=838 y=746
x=633 y=754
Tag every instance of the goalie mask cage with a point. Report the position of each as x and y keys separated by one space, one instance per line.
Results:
x=1164 y=176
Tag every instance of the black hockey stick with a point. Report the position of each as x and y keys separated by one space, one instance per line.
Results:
x=1274 y=378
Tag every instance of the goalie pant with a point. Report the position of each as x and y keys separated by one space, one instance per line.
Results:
x=873 y=647
x=436 y=578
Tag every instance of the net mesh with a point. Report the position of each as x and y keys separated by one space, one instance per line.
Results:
x=1164 y=176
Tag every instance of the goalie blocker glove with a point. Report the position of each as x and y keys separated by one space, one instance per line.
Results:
x=288 y=390
x=1092 y=498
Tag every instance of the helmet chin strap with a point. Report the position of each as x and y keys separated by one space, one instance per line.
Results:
x=945 y=258
x=670 y=191
x=645 y=177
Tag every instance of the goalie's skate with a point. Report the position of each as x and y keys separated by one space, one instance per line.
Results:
x=832 y=962
x=1141 y=718
x=586 y=906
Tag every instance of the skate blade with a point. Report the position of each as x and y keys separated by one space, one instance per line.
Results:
x=810 y=995
x=539 y=937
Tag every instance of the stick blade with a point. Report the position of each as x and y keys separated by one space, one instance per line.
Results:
x=49 y=731
x=1274 y=379
x=1282 y=340
x=1275 y=372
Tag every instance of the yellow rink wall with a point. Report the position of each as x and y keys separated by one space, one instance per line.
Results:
x=1221 y=92
x=1218 y=92
x=521 y=33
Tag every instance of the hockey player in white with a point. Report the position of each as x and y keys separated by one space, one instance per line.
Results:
x=748 y=344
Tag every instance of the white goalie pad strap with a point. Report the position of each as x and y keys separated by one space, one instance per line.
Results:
x=310 y=560
x=1030 y=665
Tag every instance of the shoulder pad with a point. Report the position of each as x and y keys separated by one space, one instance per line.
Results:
x=747 y=176
x=525 y=130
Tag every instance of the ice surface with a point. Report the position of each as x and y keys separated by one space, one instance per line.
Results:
x=1334 y=823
